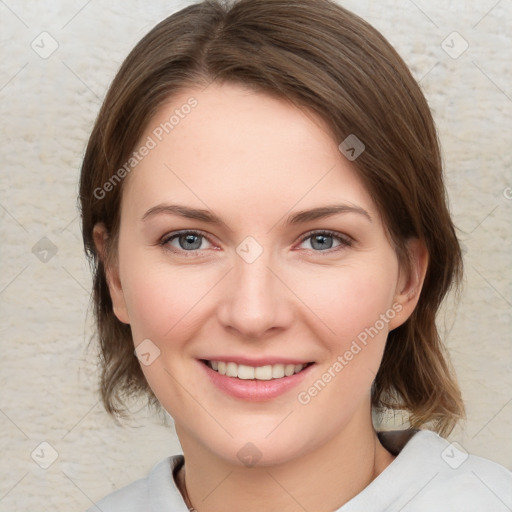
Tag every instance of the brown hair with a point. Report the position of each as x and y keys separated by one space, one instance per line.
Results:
x=326 y=59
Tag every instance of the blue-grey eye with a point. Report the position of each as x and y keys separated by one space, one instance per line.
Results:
x=186 y=241
x=190 y=241
x=323 y=241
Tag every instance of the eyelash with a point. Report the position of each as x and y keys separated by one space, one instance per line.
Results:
x=344 y=241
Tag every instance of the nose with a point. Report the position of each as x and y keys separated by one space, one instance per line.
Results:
x=255 y=300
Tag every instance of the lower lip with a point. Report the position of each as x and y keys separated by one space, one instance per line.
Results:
x=255 y=390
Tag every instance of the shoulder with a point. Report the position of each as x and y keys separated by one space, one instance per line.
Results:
x=445 y=475
x=146 y=494
x=465 y=481
x=430 y=473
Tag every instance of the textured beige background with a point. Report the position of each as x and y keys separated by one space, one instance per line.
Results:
x=47 y=108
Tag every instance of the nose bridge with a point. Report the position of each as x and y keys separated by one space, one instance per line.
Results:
x=255 y=300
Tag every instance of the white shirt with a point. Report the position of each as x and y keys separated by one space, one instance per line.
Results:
x=428 y=475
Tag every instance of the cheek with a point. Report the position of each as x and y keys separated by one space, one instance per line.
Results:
x=356 y=308
x=163 y=301
x=157 y=302
x=350 y=299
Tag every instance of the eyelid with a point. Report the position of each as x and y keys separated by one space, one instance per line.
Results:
x=168 y=237
x=344 y=239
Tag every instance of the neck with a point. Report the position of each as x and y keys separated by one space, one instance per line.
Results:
x=322 y=479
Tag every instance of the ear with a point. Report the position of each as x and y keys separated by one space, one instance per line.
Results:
x=100 y=236
x=410 y=282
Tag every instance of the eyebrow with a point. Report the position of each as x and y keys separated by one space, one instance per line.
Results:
x=326 y=211
x=296 y=218
x=183 y=211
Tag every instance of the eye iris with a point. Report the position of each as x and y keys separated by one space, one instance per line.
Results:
x=321 y=242
x=190 y=241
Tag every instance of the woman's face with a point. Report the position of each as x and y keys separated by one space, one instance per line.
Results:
x=248 y=241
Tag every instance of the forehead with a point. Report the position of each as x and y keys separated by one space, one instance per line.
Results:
x=228 y=145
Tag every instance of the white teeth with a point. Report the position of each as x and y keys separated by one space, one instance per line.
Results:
x=277 y=371
x=244 y=372
x=289 y=370
x=263 y=372
x=232 y=370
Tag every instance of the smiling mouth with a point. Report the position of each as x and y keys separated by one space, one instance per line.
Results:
x=244 y=372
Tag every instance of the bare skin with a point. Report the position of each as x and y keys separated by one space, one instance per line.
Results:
x=254 y=162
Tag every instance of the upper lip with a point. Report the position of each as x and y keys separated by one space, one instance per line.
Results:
x=261 y=361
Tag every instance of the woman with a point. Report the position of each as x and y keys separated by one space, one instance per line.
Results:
x=263 y=202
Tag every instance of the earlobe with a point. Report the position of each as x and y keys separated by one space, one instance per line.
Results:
x=410 y=282
x=100 y=236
